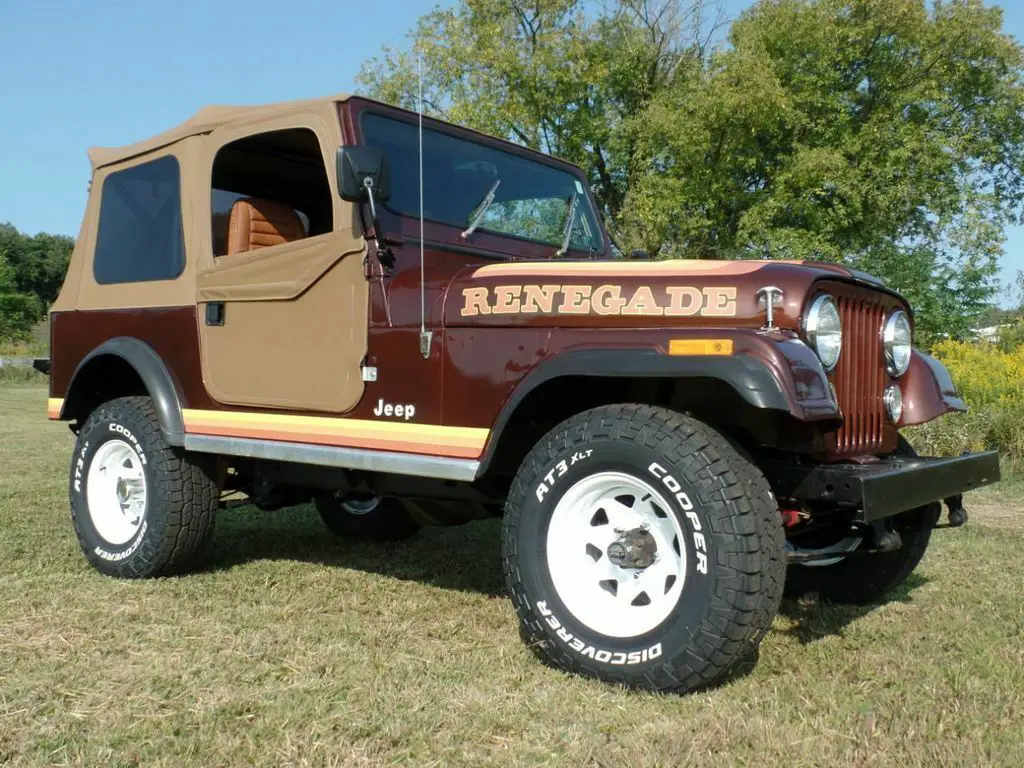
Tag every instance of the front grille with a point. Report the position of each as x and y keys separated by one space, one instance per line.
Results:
x=860 y=377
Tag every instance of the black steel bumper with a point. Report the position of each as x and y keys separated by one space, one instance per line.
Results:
x=887 y=487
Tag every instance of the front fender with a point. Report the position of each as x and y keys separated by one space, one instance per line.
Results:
x=928 y=391
x=775 y=372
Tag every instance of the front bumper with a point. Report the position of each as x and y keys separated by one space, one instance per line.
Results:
x=883 y=488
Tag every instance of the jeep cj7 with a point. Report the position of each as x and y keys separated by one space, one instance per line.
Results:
x=278 y=301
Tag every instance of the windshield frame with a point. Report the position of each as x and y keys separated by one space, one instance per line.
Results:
x=602 y=248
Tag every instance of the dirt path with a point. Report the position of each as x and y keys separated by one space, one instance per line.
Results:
x=995 y=514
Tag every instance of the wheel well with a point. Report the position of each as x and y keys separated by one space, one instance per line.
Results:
x=713 y=401
x=102 y=378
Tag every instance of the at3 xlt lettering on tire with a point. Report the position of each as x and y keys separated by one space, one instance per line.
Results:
x=641 y=548
x=140 y=507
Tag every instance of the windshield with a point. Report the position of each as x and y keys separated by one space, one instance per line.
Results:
x=531 y=200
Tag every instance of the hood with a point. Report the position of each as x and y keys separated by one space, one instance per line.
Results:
x=624 y=294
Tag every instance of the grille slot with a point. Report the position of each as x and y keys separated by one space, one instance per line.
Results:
x=860 y=378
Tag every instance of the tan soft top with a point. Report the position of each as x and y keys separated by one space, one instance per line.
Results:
x=203 y=121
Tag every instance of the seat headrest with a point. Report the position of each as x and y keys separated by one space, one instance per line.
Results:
x=257 y=223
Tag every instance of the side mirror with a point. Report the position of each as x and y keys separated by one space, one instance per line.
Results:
x=362 y=175
x=638 y=254
x=363 y=178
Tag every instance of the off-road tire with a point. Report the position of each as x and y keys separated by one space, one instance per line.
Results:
x=388 y=521
x=869 y=578
x=181 y=494
x=721 y=615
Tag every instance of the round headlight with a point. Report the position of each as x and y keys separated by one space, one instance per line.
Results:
x=824 y=330
x=896 y=339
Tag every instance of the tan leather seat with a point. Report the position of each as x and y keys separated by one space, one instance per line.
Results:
x=257 y=223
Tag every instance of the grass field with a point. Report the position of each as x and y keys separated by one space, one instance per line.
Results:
x=293 y=648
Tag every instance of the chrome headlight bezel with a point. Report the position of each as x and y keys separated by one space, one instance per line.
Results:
x=897 y=341
x=819 y=314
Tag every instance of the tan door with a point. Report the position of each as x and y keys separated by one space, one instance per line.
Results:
x=285 y=325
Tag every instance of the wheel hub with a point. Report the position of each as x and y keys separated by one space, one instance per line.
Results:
x=636 y=548
x=616 y=554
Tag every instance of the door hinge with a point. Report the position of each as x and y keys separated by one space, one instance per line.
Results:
x=369 y=372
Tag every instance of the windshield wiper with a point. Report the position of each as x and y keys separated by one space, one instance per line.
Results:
x=567 y=232
x=482 y=207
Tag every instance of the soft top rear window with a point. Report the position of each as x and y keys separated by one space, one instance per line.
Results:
x=140 y=236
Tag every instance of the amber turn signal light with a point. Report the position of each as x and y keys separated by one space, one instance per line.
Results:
x=700 y=347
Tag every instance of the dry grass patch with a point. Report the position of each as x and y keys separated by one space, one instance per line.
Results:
x=293 y=648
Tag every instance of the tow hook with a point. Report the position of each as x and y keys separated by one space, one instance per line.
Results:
x=956 y=512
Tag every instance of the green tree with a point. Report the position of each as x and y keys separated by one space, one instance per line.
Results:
x=39 y=263
x=887 y=134
x=31 y=272
x=561 y=76
x=19 y=312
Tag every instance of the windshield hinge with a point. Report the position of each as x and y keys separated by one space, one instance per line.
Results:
x=425 y=338
x=769 y=297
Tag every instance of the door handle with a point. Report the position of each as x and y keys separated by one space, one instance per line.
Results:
x=215 y=313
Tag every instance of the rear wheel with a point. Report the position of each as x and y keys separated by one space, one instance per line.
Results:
x=140 y=507
x=365 y=517
x=864 y=579
x=639 y=548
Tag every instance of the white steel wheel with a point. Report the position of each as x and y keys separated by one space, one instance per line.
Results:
x=360 y=507
x=615 y=554
x=116 y=492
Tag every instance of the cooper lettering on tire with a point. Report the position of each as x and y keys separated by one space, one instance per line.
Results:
x=140 y=508
x=657 y=562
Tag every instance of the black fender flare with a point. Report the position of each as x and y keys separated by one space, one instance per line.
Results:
x=155 y=376
x=750 y=377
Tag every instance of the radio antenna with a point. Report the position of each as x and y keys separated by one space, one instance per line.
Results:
x=425 y=335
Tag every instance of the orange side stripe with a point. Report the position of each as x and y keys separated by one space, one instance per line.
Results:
x=620 y=269
x=431 y=439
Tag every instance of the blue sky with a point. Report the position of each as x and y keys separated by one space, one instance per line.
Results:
x=110 y=72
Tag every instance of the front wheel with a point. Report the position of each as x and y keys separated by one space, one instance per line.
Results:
x=640 y=548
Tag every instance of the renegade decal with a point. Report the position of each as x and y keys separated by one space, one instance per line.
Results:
x=609 y=299
x=398 y=411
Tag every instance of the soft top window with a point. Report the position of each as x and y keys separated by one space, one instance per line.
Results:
x=531 y=199
x=140 y=236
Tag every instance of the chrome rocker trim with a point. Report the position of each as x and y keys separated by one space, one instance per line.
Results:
x=439 y=467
